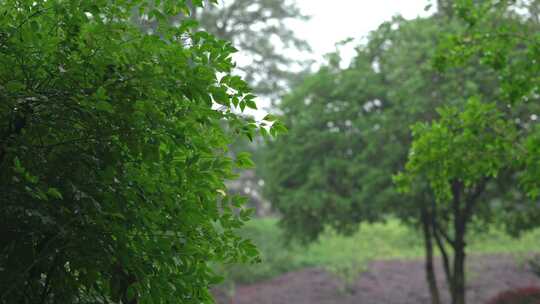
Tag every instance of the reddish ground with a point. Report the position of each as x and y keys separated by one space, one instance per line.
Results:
x=385 y=282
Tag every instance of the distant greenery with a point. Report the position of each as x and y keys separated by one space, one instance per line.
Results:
x=348 y=256
x=469 y=103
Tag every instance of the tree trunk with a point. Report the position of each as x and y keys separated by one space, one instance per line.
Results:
x=428 y=245
x=458 y=294
x=460 y=218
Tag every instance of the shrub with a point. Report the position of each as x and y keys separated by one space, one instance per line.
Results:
x=114 y=155
x=527 y=295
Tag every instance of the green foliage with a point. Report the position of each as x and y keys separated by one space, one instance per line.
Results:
x=349 y=130
x=469 y=145
x=348 y=256
x=276 y=257
x=349 y=133
x=113 y=154
x=503 y=36
x=466 y=148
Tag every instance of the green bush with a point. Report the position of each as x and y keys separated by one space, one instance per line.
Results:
x=113 y=155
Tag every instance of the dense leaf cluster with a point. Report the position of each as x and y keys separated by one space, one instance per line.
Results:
x=113 y=154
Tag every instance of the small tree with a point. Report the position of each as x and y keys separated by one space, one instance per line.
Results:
x=458 y=154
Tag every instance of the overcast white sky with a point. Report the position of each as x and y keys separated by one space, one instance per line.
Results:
x=336 y=20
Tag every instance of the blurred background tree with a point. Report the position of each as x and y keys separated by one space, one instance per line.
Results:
x=261 y=30
x=349 y=133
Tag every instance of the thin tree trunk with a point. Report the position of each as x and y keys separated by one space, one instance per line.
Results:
x=458 y=275
x=459 y=267
x=445 y=258
x=430 y=270
x=440 y=238
x=463 y=205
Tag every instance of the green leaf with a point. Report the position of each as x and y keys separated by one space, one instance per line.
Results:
x=54 y=193
x=251 y=104
x=270 y=117
x=104 y=106
x=243 y=160
x=18 y=166
x=220 y=95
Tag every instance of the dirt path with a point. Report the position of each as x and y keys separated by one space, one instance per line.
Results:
x=385 y=282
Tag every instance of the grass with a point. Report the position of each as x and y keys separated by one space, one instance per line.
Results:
x=348 y=256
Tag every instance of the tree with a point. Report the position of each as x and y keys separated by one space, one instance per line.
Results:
x=510 y=53
x=458 y=154
x=349 y=134
x=259 y=30
x=113 y=155
x=465 y=148
x=504 y=35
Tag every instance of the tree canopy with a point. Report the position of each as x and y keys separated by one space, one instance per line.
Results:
x=350 y=133
x=349 y=129
x=113 y=154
